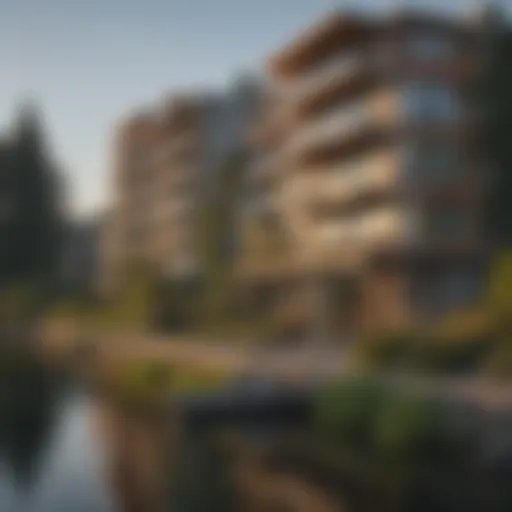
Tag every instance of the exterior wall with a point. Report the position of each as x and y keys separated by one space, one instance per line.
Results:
x=166 y=165
x=384 y=301
x=379 y=137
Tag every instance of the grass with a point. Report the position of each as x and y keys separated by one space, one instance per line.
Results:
x=152 y=384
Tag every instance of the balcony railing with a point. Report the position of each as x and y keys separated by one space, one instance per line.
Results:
x=337 y=68
x=363 y=230
x=353 y=179
x=339 y=123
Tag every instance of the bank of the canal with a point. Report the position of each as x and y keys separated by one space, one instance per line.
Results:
x=51 y=457
x=67 y=446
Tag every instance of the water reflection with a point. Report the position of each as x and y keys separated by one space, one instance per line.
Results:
x=28 y=399
x=50 y=460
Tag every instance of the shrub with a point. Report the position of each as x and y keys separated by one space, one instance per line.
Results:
x=460 y=343
x=150 y=383
x=383 y=350
x=345 y=411
x=499 y=362
x=471 y=323
x=18 y=302
x=409 y=429
x=440 y=355
x=499 y=296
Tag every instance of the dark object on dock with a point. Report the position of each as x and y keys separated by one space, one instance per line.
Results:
x=252 y=403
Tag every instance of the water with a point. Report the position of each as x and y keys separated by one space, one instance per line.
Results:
x=51 y=457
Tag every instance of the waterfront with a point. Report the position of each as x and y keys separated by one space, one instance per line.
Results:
x=52 y=458
x=67 y=472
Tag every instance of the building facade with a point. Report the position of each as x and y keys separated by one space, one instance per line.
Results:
x=166 y=161
x=381 y=177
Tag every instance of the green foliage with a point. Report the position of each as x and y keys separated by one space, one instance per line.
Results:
x=150 y=383
x=497 y=133
x=136 y=306
x=499 y=296
x=384 y=350
x=217 y=238
x=386 y=426
x=19 y=302
x=460 y=343
x=345 y=410
x=30 y=236
x=441 y=355
x=499 y=362
x=137 y=302
x=411 y=430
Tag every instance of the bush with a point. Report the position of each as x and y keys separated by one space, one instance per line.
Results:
x=19 y=302
x=499 y=362
x=384 y=350
x=150 y=383
x=345 y=411
x=460 y=343
x=499 y=296
x=448 y=356
x=411 y=430
x=388 y=427
x=471 y=323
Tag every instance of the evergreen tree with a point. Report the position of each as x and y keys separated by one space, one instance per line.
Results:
x=497 y=103
x=6 y=203
x=33 y=232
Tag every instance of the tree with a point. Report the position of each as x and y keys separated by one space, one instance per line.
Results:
x=497 y=125
x=500 y=287
x=33 y=229
x=217 y=236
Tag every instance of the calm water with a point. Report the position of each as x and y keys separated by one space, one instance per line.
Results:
x=51 y=459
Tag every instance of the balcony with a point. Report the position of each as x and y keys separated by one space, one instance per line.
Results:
x=178 y=180
x=330 y=128
x=363 y=231
x=336 y=68
x=433 y=239
x=170 y=208
x=173 y=148
x=352 y=180
x=342 y=124
x=336 y=31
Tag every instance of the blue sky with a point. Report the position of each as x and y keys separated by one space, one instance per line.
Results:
x=89 y=62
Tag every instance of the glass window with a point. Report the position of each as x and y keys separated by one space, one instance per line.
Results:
x=448 y=225
x=461 y=286
x=430 y=162
x=430 y=47
x=430 y=102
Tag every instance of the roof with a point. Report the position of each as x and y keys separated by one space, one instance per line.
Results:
x=329 y=26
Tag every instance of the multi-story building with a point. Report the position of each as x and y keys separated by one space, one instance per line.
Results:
x=381 y=180
x=166 y=162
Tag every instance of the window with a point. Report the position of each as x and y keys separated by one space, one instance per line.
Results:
x=430 y=162
x=330 y=68
x=448 y=225
x=461 y=286
x=430 y=47
x=429 y=103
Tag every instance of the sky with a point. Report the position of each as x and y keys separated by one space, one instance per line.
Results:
x=88 y=63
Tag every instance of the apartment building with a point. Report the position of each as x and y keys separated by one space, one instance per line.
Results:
x=166 y=162
x=381 y=180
